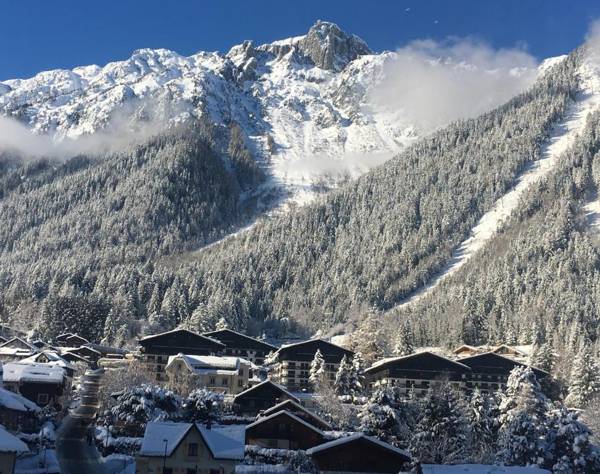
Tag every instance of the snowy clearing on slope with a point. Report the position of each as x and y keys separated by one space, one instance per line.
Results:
x=592 y=213
x=561 y=137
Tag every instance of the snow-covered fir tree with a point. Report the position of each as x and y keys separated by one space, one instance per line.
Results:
x=357 y=376
x=482 y=416
x=570 y=446
x=524 y=421
x=202 y=405
x=342 y=383
x=542 y=357
x=403 y=344
x=442 y=434
x=584 y=382
x=318 y=375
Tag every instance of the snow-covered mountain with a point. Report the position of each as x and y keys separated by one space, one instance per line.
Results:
x=302 y=102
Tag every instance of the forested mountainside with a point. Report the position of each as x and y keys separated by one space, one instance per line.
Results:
x=369 y=243
x=538 y=280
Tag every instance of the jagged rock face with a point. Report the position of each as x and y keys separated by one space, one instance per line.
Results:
x=331 y=48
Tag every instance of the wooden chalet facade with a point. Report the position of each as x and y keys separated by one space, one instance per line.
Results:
x=416 y=372
x=292 y=367
x=155 y=350
x=490 y=371
x=43 y=384
x=361 y=454
x=240 y=345
x=260 y=398
x=283 y=430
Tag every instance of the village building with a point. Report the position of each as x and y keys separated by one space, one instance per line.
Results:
x=219 y=374
x=261 y=397
x=70 y=340
x=155 y=350
x=417 y=372
x=181 y=448
x=292 y=362
x=240 y=345
x=361 y=454
x=10 y=447
x=490 y=371
x=17 y=413
x=52 y=358
x=92 y=355
x=283 y=430
x=301 y=412
x=16 y=349
x=466 y=350
x=43 y=384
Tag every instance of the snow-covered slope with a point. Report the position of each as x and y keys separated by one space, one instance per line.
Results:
x=562 y=136
x=301 y=101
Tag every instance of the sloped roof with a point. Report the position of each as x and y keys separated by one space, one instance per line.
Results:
x=356 y=437
x=229 y=336
x=18 y=343
x=412 y=362
x=492 y=360
x=16 y=401
x=292 y=406
x=32 y=372
x=285 y=414
x=10 y=443
x=262 y=386
x=220 y=443
x=305 y=350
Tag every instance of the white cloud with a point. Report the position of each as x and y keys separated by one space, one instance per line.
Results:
x=433 y=83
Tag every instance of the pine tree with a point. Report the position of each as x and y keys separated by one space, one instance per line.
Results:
x=357 y=376
x=342 y=377
x=524 y=420
x=585 y=379
x=317 y=371
x=572 y=450
x=483 y=420
x=441 y=435
x=404 y=341
x=542 y=357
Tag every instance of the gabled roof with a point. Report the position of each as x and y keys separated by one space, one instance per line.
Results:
x=205 y=364
x=506 y=348
x=16 y=402
x=357 y=437
x=10 y=443
x=285 y=414
x=193 y=339
x=32 y=372
x=262 y=386
x=235 y=339
x=305 y=350
x=420 y=361
x=220 y=444
x=293 y=407
x=465 y=347
x=53 y=359
x=18 y=343
x=491 y=360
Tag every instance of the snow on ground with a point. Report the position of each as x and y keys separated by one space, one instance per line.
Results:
x=562 y=136
x=480 y=469
x=592 y=212
x=43 y=462
x=119 y=464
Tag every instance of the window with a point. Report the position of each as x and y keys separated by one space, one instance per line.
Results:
x=42 y=398
x=240 y=383
x=212 y=381
x=193 y=449
x=224 y=382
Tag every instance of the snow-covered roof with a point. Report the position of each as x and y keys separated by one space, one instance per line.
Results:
x=267 y=382
x=53 y=358
x=176 y=330
x=17 y=341
x=379 y=363
x=480 y=469
x=16 y=401
x=28 y=372
x=354 y=437
x=221 y=443
x=286 y=413
x=281 y=406
x=10 y=443
x=208 y=364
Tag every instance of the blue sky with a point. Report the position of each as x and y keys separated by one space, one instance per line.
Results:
x=38 y=35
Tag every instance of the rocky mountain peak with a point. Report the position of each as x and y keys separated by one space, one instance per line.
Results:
x=330 y=47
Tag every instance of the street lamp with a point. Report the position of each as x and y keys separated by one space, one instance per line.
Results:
x=166 y=441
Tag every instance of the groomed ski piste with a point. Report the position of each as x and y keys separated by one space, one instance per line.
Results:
x=562 y=136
